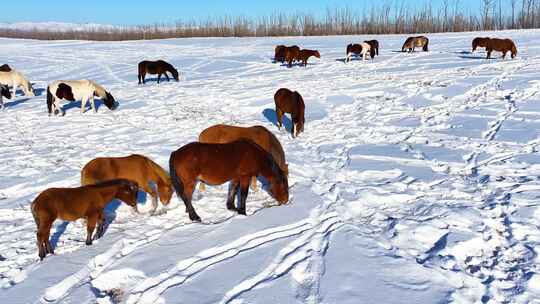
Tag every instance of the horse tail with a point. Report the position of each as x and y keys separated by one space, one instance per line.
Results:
x=49 y=100
x=425 y=48
x=176 y=182
x=34 y=214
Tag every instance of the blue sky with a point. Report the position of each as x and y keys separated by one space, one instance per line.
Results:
x=130 y=12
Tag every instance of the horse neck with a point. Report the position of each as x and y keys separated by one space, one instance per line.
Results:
x=267 y=165
x=158 y=172
x=100 y=91
x=108 y=193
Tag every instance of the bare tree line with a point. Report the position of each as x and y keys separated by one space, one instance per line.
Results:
x=390 y=17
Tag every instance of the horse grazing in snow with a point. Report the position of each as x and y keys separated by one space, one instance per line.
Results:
x=413 y=42
x=304 y=55
x=479 y=42
x=72 y=90
x=148 y=175
x=501 y=45
x=70 y=204
x=215 y=164
x=4 y=92
x=291 y=54
x=374 y=44
x=279 y=53
x=359 y=49
x=291 y=102
x=159 y=67
x=16 y=79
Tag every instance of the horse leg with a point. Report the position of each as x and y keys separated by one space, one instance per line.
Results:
x=100 y=226
x=167 y=76
x=158 y=77
x=231 y=196
x=504 y=55
x=279 y=114
x=90 y=226
x=153 y=193
x=488 y=54
x=293 y=119
x=84 y=100
x=143 y=77
x=202 y=187
x=244 y=189
x=254 y=184
x=186 y=197
x=93 y=104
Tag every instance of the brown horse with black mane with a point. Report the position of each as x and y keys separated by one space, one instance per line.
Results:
x=222 y=134
x=479 y=42
x=374 y=44
x=413 y=42
x=501 y=45
x=159 y=67
x=215 y=164
x=5 y=68
x=70 y=204
x=147 y=174
x=291 y=54
x=304 y=55
x=291 y=102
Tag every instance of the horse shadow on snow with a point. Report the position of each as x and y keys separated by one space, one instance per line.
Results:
x=271 y=115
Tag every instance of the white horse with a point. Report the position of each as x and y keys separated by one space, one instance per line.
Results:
x=4 y=92
x=16 y=79
x=72 y=90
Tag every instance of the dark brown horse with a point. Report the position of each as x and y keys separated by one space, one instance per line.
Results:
x=291 y=54
x=304 y=55
x=501 y=45
x=147 y=174
x=279 y=53
x=222 y=134
x=159 y=67
x=291 y=102
x=374 y=47
x=215 y=164
x=413 y=42
x=480 y=42
x=70 y=204
x=5 y=68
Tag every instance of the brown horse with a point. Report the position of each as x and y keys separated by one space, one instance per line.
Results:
x=291 y=102
x=159 y=67
x=215 y=164
x=222 y=134
x=413 y=42
x=501 y=45
x=140 y=169
x=5 y=68
x=479 y=42
x=374 y=47
x=70 y=204
x=279 y=53
x=291 y=54
x=304 y=55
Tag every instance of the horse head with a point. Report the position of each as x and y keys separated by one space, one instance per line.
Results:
x=4 y=91
x=175 y=74
x=109 y=102
x=30 y=89
x=279 y=184
x=127 y=192
x=165 y=191
x=317 y=54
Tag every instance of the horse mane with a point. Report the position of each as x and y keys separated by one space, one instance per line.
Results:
x=162 y=174
x=301 y=103
x=112 y=182
x=267 y=156
x=100 y=91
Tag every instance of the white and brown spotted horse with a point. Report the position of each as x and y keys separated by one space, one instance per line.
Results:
x=72 y=90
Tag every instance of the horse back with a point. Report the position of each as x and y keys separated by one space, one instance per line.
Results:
x=285 y=100
x=133 y=167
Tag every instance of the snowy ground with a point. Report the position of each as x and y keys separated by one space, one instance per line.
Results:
x=416 y=180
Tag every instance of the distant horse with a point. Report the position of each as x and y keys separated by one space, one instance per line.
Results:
x=374 y=44
x=5 y=68
x=147 y=174
x=222 y=134
x=4 y=92
x=215 y=164
x=501 y=45
x=16 y=79
x=291 y=54
x=71 y=90
x=304 y=55
x=480 y=42
x=413 y=42
x=279 y=53
x=70 y=204
x=291 y=102
x=159 y=67
x=358 y=49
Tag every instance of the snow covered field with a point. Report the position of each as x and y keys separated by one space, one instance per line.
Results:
x=416 y=180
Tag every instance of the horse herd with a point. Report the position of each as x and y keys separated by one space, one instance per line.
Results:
x=224 y=153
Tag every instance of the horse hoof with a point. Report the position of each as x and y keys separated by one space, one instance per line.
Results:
x=88 y=243
x=194 y=218
x=242 y=212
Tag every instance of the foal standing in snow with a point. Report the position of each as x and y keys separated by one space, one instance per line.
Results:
x=16 y=79
x=72 y=90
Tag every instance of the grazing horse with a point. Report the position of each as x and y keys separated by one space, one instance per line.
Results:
x=159 y=67
x=291 y=102
x=480 y=42
x=356 y=49
x=304 y=55
x=72 y=90
x=4 y=92
x=215 y=164
x=374 y=44
x=5 y=68
x=291 y=54
x=222 y=134
x=147 y=174
x=501 y=45
x=279 y=53
x=413 y=42
x=16 y=79
x=70 y=204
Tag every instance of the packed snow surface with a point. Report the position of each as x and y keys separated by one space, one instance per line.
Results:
x=416 y=179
